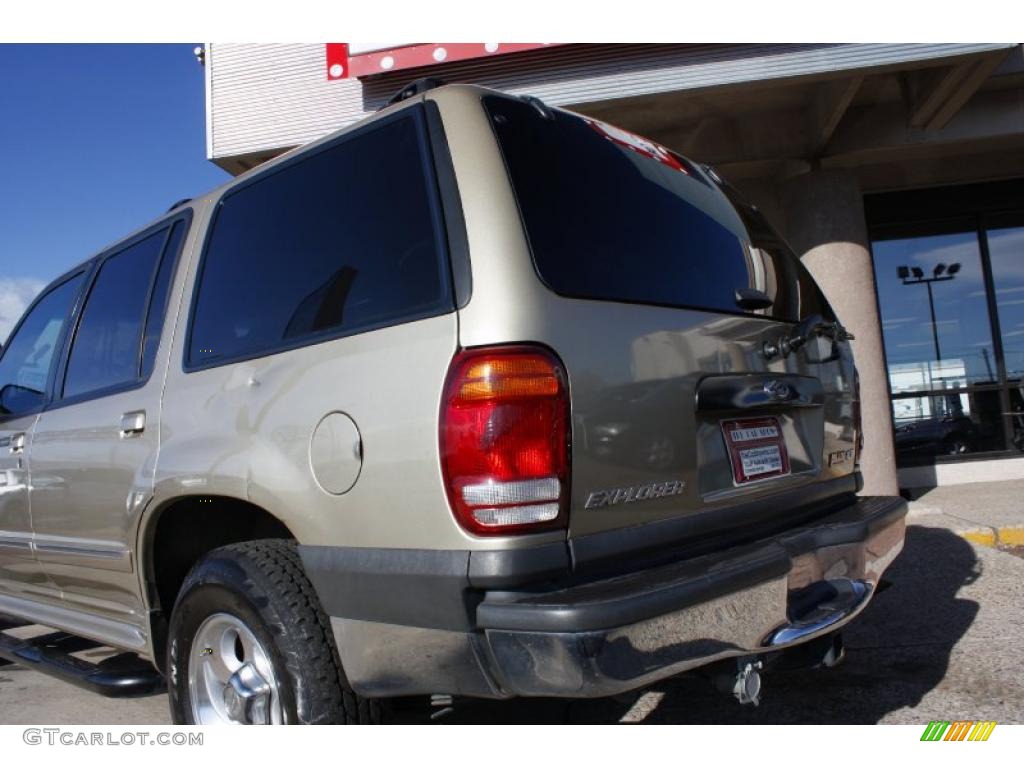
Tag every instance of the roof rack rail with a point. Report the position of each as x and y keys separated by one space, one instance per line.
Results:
x=415 y=88
x=180 y=202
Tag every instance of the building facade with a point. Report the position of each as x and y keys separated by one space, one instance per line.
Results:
x=895 y=171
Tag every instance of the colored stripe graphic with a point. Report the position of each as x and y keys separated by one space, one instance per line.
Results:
x=983 y=730
x=958 y=730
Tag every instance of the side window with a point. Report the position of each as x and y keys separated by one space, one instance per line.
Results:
x=105 y=351
x=27 y=360
x=342 y=241
x=158 y=303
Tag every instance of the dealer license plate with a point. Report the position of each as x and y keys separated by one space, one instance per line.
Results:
x=756 y=448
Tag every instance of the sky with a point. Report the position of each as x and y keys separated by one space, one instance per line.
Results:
x=95 y=141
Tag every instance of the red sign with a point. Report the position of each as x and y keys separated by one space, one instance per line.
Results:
x=337 y=61
x=344 y=61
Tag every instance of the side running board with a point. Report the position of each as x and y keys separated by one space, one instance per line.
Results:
x=122 y=675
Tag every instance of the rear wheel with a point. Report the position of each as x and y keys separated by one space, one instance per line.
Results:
x=250 y=644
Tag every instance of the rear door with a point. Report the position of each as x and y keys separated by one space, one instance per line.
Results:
x=94 y=447
x=672 y=298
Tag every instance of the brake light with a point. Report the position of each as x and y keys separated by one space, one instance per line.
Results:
x=505 y=440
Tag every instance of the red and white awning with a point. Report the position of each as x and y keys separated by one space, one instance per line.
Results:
x=362 y=59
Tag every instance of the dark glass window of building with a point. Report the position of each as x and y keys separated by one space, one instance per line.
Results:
x=949 y=270
x=1005 y=236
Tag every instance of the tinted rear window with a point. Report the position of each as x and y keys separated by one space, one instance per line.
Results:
x=613 y=216
x=338 y=242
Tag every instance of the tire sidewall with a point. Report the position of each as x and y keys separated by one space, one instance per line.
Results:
x=221 y=586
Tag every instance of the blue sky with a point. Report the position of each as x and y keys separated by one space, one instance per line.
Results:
x=96 y=141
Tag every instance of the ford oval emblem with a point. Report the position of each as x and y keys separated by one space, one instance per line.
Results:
x=778 y=390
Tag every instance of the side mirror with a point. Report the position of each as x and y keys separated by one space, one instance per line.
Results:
x=16 y=399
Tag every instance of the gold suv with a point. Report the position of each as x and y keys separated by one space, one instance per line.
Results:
x=475 y=397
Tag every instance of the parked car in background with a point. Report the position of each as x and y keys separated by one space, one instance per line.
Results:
x=948 y=435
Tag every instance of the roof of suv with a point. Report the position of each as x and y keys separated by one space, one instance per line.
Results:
x=473 y=91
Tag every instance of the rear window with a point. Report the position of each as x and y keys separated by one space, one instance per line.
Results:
x=338 y=242
x=612 y=216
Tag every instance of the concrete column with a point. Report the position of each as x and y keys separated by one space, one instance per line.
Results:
x=824 y=214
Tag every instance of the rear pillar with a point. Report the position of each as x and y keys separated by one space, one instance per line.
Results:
x=824 y=222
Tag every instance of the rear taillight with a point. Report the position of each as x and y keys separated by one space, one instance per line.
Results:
x=505 y=440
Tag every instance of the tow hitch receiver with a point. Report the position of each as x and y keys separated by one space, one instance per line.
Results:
x=744 y=684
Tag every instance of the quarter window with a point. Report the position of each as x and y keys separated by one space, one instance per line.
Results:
x=161 y=290
x=342 y=241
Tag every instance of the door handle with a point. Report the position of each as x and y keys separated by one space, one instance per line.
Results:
x=133 y=423
x=18 y=443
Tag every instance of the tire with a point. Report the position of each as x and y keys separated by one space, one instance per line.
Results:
x=248 y=615
x=955 y=446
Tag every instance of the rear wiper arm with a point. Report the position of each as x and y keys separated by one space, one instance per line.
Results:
x=808 y=328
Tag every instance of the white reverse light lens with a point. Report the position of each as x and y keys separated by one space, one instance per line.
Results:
x=535 y=513
x=518 y=492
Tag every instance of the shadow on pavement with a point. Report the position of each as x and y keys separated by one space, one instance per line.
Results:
x=897 y=651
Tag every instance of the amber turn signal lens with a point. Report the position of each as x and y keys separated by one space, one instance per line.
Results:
x=510 y=376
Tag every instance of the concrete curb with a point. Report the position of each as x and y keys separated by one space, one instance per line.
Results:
x=974 y=530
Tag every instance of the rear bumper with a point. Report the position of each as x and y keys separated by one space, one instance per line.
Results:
x=612 y=635
x=605 y=638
